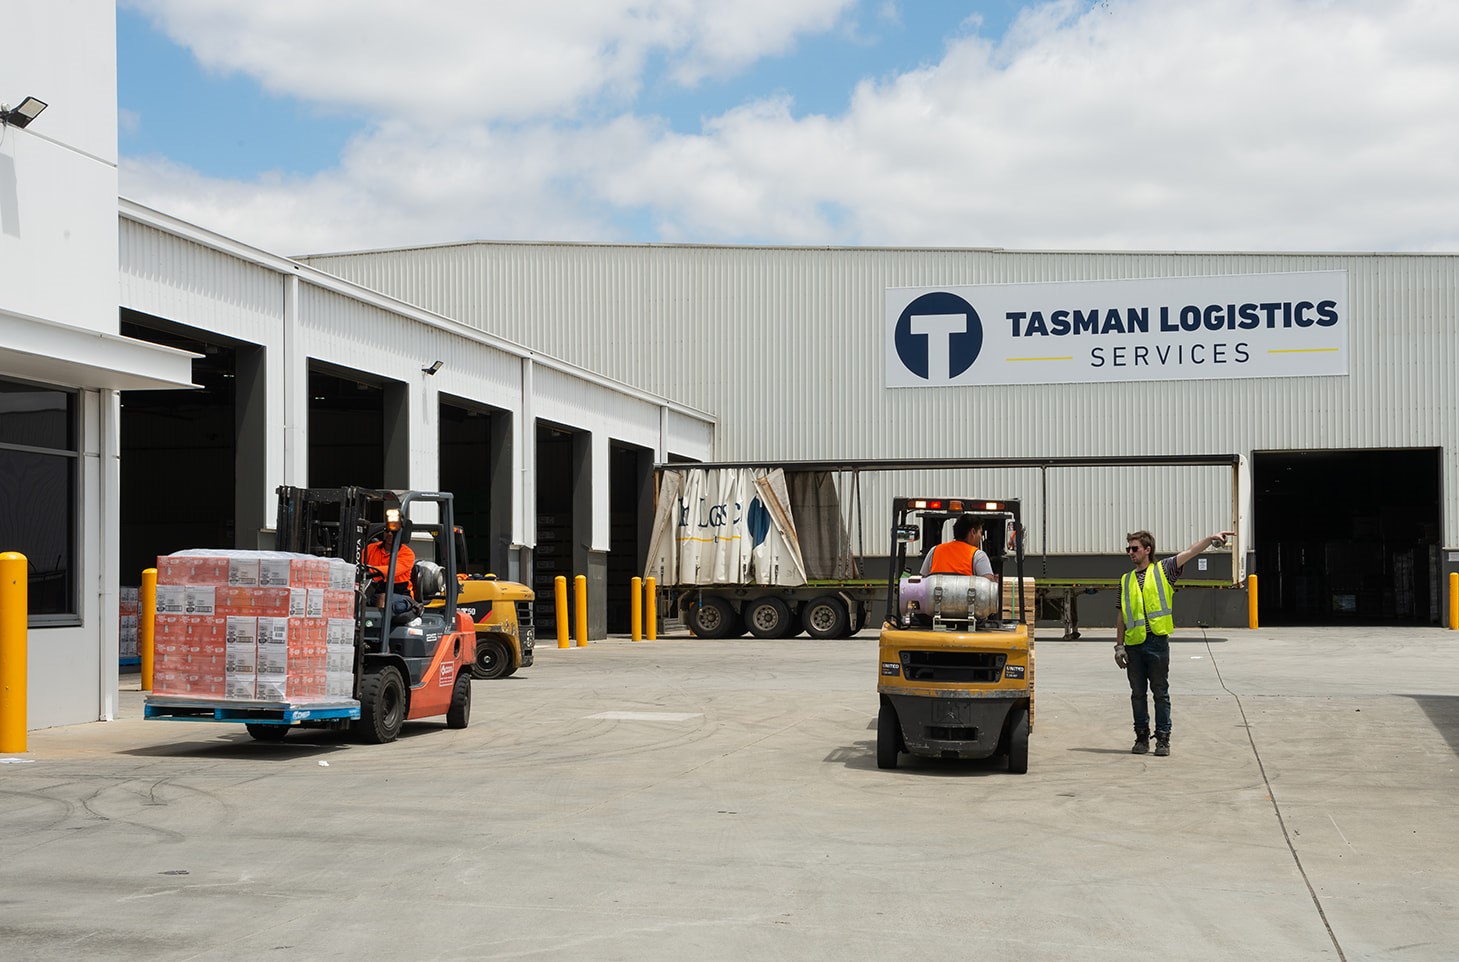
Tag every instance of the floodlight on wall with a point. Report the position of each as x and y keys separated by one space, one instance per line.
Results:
x=29 y=109
x=432 y=369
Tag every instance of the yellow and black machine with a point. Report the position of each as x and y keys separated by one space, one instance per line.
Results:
x=956 y=662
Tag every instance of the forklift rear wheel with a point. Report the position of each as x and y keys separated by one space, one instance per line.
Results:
x=1018 y=743
x=768 y=618
x=493 y=658
x=459 y=714
x=382 y=706
x=714 y=617
x=268 y=733
x=825 y=617
x=888 y=737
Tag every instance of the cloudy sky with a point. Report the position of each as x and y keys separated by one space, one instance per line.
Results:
x=322 y=125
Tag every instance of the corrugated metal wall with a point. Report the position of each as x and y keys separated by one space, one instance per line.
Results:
x=785 y=346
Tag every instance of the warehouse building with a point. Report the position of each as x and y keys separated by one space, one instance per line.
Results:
x=1328 y=375
x=159 y=380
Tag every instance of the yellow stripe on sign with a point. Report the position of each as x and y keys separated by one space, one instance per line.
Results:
x=1302 y=350
x=1068 y=357
x=723 y=537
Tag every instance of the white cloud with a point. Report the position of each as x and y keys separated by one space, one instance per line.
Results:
x=451 y=61
x=1206 y=124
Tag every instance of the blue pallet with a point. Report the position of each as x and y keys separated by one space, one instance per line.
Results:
x=252 y=713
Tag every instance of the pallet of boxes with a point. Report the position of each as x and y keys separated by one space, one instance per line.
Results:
x=264 y=638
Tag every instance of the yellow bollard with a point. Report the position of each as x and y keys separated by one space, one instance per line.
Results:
x=559 y=614
x=14 y=618
x=147 y=624
x=580 y=596
x=1453 y=600
x=651 y=607
x=1251 y=602
x=635 y=609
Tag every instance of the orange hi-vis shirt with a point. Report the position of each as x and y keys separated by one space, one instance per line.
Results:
x=953 y=558
x=377 y=556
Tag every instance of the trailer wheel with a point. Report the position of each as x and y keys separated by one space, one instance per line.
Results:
x=1018 y=743
x=382 y=706
x=824 y=617
x=459 y=714
x=769 y=618
x=888 y=737
x=268 y=733
x=714 y=617
x=493 y=658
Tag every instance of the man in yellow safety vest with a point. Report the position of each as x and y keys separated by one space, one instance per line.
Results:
x=1142 y=631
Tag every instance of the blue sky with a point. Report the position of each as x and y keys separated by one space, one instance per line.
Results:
x=210 y=120
x=1056 y=124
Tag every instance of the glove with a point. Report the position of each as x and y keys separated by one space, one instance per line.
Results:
x=1121 y=659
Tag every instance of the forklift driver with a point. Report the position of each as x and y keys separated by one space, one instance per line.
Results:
x=963 y=555
x=377 y=559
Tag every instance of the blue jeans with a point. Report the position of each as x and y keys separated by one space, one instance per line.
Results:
x=1149 y=667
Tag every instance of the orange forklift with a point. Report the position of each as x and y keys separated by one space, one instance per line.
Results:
x=413 y=655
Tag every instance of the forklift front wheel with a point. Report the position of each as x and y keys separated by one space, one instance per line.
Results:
x=1018 y=743
x=382 y=705
x=888 y=737
x=459 y=714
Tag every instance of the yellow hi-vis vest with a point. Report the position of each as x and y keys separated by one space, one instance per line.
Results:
x=1148 y=608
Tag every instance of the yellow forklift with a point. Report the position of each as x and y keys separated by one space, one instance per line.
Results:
x=502 y=610
x=956 y=663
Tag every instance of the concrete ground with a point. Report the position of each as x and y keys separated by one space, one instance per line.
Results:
x=718 y=800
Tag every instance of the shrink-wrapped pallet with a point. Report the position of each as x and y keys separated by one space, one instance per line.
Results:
x=253 y=626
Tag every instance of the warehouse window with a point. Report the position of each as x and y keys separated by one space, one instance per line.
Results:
x=38 y=464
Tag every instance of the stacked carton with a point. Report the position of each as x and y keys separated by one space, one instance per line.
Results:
x=1010 y=600
x=254 y=626
x=127 y=603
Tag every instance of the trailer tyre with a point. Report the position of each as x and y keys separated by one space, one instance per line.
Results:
x=493 y=658
x=714 y=617
x=769 y=618
x=268 y=733
x=825 y=617
x=1018 y=743
x=888 y=737
x=459 y=714
x=382 y=706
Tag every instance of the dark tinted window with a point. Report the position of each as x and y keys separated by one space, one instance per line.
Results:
x=37 y=417
x=38 y=491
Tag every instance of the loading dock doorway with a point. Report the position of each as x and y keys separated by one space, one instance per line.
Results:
x=1347 y=537
x=180 y=467
x=476 y=466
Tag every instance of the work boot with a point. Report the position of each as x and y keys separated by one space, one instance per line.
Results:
x=1162 y=743
x=1142 y=741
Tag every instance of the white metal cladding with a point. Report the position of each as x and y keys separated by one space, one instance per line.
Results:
x=185 y=273
x=785 y=347
x=170 y=276
x=685 y=435
x=576 y=403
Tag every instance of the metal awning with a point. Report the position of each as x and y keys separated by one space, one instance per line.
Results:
x=41 y=350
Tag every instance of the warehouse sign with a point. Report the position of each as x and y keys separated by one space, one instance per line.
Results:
x=1169 y=328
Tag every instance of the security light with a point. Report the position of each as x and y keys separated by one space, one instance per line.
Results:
x=29 y=109
x=432 y=369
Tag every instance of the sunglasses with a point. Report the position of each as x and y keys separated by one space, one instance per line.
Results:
x=1131 y=549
